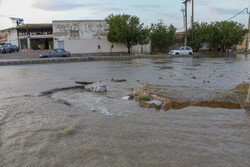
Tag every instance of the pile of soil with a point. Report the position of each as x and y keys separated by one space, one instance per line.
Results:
x=174 y=99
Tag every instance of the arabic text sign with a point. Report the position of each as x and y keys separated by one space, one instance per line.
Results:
x=3 y=37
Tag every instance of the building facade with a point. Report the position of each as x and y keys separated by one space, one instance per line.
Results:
x=35 y=36
x=9 y=36
x=84 y=36
x=29 y=36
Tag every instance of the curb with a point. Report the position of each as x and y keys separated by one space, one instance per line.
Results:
x=79 y=59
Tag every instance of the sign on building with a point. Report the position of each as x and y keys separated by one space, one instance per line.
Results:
x=3 y=37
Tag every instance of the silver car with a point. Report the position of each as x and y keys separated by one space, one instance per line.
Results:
x=56 y=53
x=183 y=50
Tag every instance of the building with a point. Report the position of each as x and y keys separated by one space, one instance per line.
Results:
x=75 y=36
x=84 y=36
x=9 y=35
x=29 y=36
x=245 y=45
x=35 y=36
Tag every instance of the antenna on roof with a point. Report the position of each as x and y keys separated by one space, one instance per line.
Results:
x=16 y=21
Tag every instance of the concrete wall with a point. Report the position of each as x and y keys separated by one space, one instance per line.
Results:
x=81 y=36
x=140 y=49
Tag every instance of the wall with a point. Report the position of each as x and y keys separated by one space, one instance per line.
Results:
x=140 y=49
x=81 y=36
x=242 y=46
x=11 y=35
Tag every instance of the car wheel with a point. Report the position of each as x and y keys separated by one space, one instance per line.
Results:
x=177 y=53
x=190 y=53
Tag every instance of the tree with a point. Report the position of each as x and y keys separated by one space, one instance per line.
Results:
x=212 y=37
x=229 y=33
x=127 y=30
x=163 y=36
x=200 y=36
x=222 y=34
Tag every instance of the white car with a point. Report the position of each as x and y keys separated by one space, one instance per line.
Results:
x=183 y=50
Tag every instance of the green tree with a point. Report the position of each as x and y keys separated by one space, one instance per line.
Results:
x=222 y=34
x=229 y=33
x=163 y=36
x=127 y=30
x=200 y=36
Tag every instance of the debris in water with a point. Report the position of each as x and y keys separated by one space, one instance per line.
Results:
x=93 y=109
x=156 y=102
x=118 y=80
x=102 y=88
x=84 y=82
x=126 y=97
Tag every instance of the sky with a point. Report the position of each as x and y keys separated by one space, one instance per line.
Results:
x=149 y=11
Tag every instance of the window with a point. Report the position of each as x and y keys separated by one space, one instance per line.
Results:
x=112 y=46
x=182 y=48
x=99 y=46
x=74 y=34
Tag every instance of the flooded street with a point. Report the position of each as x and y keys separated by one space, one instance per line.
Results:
x=73 y=127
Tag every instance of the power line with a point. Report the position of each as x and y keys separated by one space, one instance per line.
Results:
x=239 y=13
x=183 y=27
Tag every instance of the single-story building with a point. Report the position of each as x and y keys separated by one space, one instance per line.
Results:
x=84 y=36
x=30 y=36
x=75 y=36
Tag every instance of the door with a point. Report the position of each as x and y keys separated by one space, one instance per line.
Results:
x=61 y=44
x=182 y=50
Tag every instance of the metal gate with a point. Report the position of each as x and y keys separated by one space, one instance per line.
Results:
x=61 y=44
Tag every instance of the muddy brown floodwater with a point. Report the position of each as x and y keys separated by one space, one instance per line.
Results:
x=47 y=119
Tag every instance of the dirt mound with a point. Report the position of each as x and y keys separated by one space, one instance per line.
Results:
x=242 y=87
x=231 y=99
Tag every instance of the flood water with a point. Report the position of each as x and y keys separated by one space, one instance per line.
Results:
x=40 y=130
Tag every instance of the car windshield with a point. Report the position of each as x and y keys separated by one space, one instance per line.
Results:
x=60 y=50
x=178 y=48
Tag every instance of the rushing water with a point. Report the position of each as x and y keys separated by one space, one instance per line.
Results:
x=44 y=131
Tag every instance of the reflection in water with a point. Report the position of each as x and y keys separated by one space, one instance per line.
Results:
x=41 y=130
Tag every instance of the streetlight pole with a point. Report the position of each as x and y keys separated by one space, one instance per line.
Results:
x=184 y=23
x=185 y=2
x=192 y=20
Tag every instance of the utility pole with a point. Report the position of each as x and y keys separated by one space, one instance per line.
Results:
x=185 y=2
x=248 y=36
x=184 y=24
x=192 y=20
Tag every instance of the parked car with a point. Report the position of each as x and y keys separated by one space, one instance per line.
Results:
x=56 y=53
x=14 y=48
x=5 y=49
x=183 y=50
x=5 y=43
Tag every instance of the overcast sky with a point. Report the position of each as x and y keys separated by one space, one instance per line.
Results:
x=149 y=11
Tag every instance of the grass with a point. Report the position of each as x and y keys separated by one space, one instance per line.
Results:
x=241 y=92
x=144 y=98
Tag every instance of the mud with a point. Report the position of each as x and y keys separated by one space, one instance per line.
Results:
x=235 y=98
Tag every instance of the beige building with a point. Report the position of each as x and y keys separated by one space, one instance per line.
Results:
x=84 y=36
x=245 y=45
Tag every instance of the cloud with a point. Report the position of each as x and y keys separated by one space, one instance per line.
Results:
x=145 y=6
x=60 y=5
x=222 y=11
x=170 y=16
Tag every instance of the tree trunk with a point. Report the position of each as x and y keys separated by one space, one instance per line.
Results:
x=129 y=49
